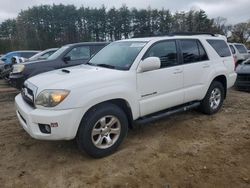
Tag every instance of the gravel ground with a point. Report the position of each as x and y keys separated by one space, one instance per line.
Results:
x=185 y=150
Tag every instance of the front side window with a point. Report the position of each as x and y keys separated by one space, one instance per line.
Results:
x=241 y=48
x=80 y=52
x=118 y=55
x=166 y=51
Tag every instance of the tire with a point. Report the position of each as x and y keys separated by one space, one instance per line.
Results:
x=96 y=137
x=217 y=90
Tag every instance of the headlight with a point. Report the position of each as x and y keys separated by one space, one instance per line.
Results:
x=51 y=98
x=18 y=68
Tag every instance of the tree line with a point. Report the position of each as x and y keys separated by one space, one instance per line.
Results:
x=47 y=26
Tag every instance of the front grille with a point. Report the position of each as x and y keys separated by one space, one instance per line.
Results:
x=28 y=96
x=243 y=82
x=243 y=77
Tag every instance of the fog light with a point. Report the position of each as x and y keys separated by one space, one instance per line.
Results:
x=44 y=128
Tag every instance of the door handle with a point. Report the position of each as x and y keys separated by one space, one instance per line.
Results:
x=178 y=71
x=206 y=66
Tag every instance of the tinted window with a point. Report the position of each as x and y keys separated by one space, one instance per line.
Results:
x=190 y=51
x=97 y=48
x=80 y=52
x=241 y=48
x=27 y=54
x=220 y=47
x=166 y=51
x=232 y=49
x=202 y=52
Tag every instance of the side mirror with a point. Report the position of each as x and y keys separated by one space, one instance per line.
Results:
x=66 y=59
x=149 y=64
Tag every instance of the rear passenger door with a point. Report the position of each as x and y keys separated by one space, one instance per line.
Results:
x=162 y=88
x=196 y=68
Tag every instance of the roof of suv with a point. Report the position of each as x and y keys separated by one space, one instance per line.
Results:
x=206 y=36
x=87 y=43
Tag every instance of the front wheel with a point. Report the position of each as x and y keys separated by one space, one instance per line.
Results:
x=102 y=130
x=213 y=99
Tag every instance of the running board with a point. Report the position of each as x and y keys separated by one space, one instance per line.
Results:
x=166 y=113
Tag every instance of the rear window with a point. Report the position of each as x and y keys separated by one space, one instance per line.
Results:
x=232 y=49
x=241 y=48
x=220 y=47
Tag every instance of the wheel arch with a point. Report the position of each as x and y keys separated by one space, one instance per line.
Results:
x=122 y=103
x=223 y=80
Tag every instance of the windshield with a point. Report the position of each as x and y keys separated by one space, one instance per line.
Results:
x=8 y=55
x=58 y=53
x=241 y=48
x=119 y=55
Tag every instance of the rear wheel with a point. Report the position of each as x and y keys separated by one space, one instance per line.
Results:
x=102 y=130
x=213 y=99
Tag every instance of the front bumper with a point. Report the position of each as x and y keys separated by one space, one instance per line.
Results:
x=243 y=82
x=68 y=121
x=16 y=80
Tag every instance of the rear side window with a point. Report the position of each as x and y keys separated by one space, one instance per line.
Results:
x=192 y=51
x=232 y=49
x=220 y=47
x=241 y=48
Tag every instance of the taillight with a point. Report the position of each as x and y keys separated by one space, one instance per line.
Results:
x=235 y=62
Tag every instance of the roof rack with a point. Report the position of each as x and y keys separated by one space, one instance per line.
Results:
x=191 y=33
x=175 y=34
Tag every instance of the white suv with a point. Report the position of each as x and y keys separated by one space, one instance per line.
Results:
x=239 y=51
x=134 y=80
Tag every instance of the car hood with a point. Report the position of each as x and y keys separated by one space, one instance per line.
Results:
x=74 y=77
x=243 y=69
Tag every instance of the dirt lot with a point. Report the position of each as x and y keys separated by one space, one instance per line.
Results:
x=186 y=150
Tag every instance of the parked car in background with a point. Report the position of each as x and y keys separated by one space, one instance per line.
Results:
x=240 y=52
x=25 y=54
x=66 y=56
x=134 y=80
x=243 y=76
x=42 y=55
x=7 y=68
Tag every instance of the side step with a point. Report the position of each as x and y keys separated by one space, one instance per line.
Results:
x=166 y=113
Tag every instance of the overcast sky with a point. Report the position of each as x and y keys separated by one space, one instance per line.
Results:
x=234 y=10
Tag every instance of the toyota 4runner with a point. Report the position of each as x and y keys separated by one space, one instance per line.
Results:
x=134 y=80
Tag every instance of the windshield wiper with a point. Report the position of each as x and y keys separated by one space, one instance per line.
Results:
x=106 y=66
x=101 y=65
x=88 y=63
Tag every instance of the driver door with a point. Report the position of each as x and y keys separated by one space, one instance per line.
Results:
x=163 y=88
